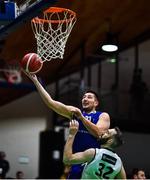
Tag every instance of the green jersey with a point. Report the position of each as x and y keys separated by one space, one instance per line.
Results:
x=106 y=164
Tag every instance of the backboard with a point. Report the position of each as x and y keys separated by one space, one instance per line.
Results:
x=14 y=14
x=8 y=12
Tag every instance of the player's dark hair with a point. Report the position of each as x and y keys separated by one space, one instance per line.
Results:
x=93 y=92
x=118 y=137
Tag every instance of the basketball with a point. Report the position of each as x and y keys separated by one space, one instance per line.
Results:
x=31 y=63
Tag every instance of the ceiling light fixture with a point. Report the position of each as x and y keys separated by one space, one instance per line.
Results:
x=110 y=45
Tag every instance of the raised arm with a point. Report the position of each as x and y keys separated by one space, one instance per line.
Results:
x=76 y=158
x=56 y=106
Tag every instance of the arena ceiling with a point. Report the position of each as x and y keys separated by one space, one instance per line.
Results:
x=130 y=21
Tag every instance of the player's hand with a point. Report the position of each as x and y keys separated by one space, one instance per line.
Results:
x=74 y=126
x=77 y=113
x=31 y=76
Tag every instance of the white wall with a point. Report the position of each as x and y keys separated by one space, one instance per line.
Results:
x=20 y=124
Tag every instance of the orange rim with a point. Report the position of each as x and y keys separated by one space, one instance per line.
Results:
x=54 y=10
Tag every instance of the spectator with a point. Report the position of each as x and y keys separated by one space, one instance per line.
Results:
x=4 y=165
x=19 y=175
x=138 y=174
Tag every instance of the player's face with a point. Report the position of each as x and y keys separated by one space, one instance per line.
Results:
x=109 y=133
x=89 y=102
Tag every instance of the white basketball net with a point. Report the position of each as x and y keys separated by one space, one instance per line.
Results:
x=52 y=31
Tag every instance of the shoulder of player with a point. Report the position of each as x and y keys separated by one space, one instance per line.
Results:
x=104 y=115
x=104 y=121
x=90 y=154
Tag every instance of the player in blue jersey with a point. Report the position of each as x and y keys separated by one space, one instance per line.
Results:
x=92 y=122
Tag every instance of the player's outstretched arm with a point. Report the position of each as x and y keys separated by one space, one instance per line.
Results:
x=56 y=106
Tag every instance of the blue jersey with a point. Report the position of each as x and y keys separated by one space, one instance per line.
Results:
x=83 y=141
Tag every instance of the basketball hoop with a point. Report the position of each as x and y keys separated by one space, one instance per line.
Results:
x=52 y=31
